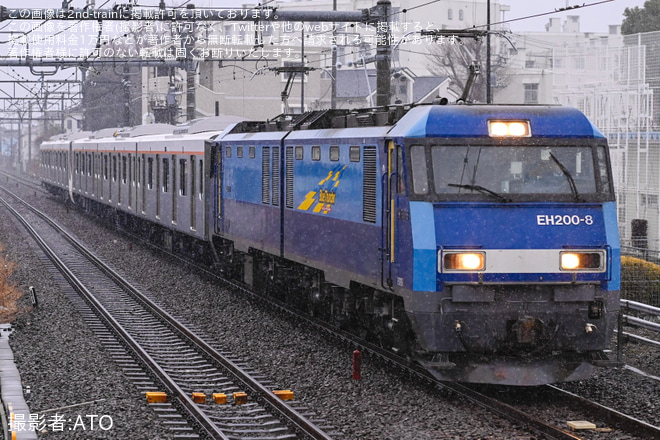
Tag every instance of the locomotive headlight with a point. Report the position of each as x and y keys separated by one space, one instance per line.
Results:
x=581 y=261
x=509 y=129
x=465 y=261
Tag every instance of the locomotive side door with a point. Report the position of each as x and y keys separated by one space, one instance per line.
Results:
x=391 y=191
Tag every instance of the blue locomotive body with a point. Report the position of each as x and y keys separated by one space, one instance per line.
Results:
x=480 y=240
x=521 y=206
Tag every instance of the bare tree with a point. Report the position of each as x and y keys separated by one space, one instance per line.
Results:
x=453 y=57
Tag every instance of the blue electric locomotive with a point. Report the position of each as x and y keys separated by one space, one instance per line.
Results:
x=481 y=241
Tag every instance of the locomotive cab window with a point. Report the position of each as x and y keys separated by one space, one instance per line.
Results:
x=570 y=171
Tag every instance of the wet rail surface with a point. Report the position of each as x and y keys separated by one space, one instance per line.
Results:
x=162 y=354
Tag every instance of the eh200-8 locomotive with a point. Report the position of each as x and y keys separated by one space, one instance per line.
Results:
x=482 y=241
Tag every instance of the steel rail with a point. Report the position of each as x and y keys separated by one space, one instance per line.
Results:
x=630 y=424
x=293 y=417
x=196 y=413
x=301 y=423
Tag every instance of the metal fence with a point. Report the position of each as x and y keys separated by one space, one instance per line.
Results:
x=641 y=283
x=629 y=307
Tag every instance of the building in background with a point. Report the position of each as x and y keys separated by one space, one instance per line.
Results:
x=613 y=79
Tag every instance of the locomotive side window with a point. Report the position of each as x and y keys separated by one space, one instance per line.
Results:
x=420 y=179
x=299 y=152
x=228 y=151
x=334 y=153
x=239 y=151
x=604 y=175
x=354 y=153
x=253 y=153
x=316 y=152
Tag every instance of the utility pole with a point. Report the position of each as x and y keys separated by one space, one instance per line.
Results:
x=29 y=158
x=383 y=54
x=334 y=48
x=489 y=97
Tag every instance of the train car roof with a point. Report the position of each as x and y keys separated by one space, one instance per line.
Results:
x=472 y=121
x=255 y=137
x=65 y=137
x=104 y=133
x=340 y=133
x=146 y=130
x=212 y=124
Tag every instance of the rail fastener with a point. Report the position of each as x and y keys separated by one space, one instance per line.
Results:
x=220 y=398
x=284 y=394
x=199 y=397
x=240 y=398
x=156 y=397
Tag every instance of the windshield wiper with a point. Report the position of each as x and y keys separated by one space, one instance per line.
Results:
x=569 y=177
x=481 y=189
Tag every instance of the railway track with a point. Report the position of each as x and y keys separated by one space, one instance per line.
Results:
x=490 y=399
x=162 y=354
x=485 y=397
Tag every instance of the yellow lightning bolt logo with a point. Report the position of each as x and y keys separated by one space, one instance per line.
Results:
x=326 y=197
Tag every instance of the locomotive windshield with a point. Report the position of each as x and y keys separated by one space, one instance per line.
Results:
x=508 y=173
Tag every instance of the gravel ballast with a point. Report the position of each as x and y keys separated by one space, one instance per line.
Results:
x=64 y=364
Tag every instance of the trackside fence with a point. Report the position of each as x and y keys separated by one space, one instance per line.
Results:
x=640 y=292
x=629 y=306
x=640 y=275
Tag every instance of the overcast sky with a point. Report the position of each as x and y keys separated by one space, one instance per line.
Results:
x=595 y=18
